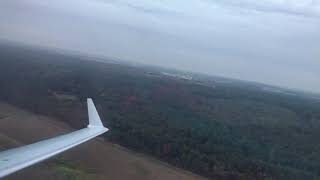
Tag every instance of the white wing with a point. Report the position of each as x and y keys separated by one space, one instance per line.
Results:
x=16 y=159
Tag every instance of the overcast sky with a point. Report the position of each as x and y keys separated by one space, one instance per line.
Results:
x=270 y=41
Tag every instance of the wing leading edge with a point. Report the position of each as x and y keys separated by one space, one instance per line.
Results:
x=16 y=159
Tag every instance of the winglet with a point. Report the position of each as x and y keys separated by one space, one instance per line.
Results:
x=94 y=119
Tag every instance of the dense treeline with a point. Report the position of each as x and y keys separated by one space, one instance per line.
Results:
x=229 y=131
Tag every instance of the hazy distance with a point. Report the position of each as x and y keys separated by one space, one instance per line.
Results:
x=269 y=41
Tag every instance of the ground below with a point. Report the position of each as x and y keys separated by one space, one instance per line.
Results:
x=96 y=159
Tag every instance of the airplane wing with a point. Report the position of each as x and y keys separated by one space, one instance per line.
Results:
x=16 y=159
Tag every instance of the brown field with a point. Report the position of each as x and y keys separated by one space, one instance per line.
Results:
x=96 y=159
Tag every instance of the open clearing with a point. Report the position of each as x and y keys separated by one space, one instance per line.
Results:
x=96 y=159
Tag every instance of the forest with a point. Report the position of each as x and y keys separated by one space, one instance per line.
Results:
x=219 y=130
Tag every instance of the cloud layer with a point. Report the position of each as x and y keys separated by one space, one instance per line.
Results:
x=270 y=41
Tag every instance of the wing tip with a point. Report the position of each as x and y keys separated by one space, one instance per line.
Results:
x=94 y=118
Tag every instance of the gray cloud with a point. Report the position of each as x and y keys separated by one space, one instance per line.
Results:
x=269 y=41
x=307 y=8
